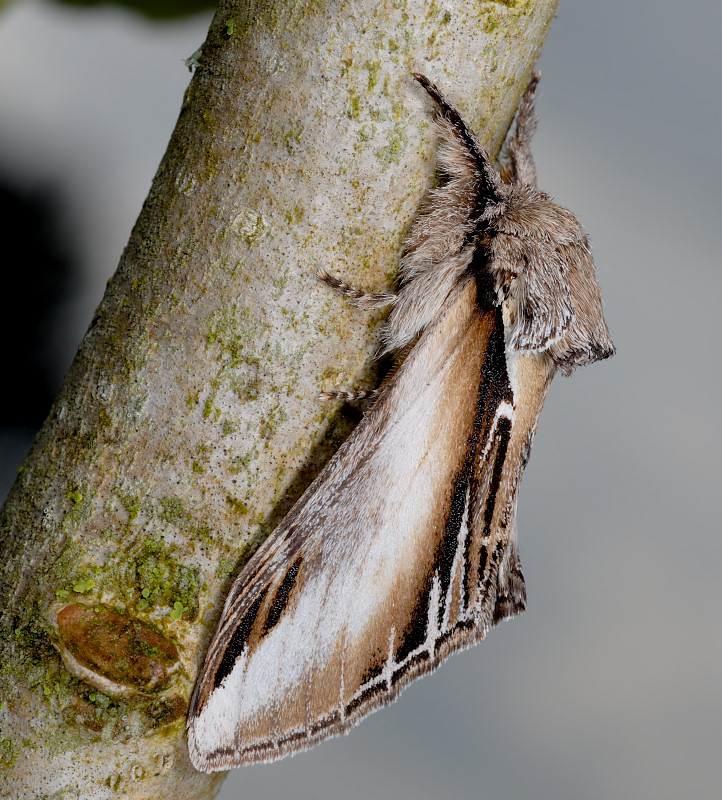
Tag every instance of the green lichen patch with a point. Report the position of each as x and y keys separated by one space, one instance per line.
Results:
x=353 y=110
x=79 y=509
x=8 y=753
x=237 y=505
x=396 y=145
x=491 y=23
x=81 y=586
x=119 y=648
x=194 y=59
x=224 y=569
x=373 y=68
x=250 y=225
x=280 y=282
x=241 y=343
x=247 y=384
x=161 y=580
x=172 y=511
x=275 y=417
x=166 y=710
x=89 y=714
x=62 y=740
x=177 y=611
x=143 y=575
x=104 y=419
x=33 y=641
x=241 y=463
x=209 y=410
x=233 y=331
x=131 y=503
x=292 y=133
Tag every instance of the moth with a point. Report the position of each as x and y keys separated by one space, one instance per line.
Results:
x=404 y=548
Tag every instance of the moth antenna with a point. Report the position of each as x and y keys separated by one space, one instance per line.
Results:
x=360 y=394
x=488 y=174
x=361 y=299
x=520 y=163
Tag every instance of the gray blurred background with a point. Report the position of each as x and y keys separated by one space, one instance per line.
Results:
x=610 y=685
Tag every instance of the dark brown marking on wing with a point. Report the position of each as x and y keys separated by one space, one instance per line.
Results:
x=296 y=736
x=238 y=640
x=444 y=561
x=414 y=634
x=494 y=388
x=263 y=749
x=511 y=599
x=331 y=719
x=453 y=633
x=479 y=268
x=281 y=598
x=502 y=435
x=367 y=694
x=483 y=557
x=373 y=671
x=412 y=663
x=491 y=569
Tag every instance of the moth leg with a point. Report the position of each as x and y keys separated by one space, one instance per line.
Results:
x=361 y=299
x=519 y=166
x=358 y=394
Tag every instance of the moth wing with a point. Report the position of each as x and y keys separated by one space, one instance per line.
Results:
x=390 y=560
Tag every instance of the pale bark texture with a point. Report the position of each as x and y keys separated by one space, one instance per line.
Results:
x=190 y=420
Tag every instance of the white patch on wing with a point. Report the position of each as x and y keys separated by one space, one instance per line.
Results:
x=512 y=367
x=504 y=409
x=432 y=616
x=388 y=671
x=338 y=602
x=215 y=726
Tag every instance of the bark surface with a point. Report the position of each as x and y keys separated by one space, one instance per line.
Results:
x=189 y=421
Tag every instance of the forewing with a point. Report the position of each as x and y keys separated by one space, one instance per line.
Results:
x=389 y=562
